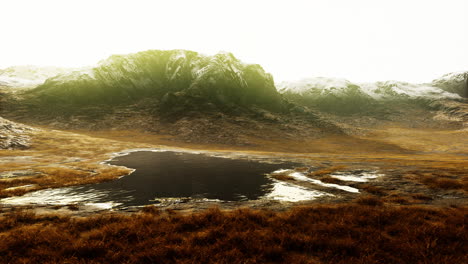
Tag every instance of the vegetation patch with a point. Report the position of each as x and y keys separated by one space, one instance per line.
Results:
x=322 y=234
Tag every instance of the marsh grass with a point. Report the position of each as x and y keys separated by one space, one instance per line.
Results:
x=321 y=234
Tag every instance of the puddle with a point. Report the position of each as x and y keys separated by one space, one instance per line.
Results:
x=63 y=196
x=292 y=193
x=298 y=176
x=17 y=173
x=168 y=177
x=164 y=175
x=28 y=186
x=358 y=176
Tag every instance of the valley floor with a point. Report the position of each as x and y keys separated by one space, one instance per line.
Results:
x=429 y=164
x=415 y=213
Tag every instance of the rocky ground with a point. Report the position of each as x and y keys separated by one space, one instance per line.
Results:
x=14 y=135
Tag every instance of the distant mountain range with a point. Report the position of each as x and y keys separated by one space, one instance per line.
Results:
x=199 y=94
x=342 y=96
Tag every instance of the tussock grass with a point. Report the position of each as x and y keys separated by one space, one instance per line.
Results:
x=322 y=234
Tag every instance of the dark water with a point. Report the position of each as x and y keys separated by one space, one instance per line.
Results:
x=176 y=174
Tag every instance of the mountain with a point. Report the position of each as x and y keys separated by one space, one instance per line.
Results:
x=455 y=82
x=28 y=75
x=174 y=78
x=341 y=96
x=209 y=99
x=219 y=99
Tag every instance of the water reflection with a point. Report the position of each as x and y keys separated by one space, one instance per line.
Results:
x=166 y=174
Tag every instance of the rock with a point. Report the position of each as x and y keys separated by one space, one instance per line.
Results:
x=14 y=135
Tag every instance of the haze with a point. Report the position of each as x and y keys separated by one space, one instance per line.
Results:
x=361 y=40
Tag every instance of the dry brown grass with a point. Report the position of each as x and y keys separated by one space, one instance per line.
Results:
x=442 y=183
x=302 y=169
x=282 y=177
x=436 y=178
x=369 y=200
x=398 y=199
x=61 y=159
x=326 y=171
x=373 y=189
x=325 y=234
x=329 y=179
x=52 y=177
x=421 y=196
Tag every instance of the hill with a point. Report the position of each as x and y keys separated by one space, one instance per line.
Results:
x=176 y=92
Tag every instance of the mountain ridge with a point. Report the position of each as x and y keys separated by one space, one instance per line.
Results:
x=220 y=99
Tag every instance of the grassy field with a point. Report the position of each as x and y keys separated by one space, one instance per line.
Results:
x=352 y=233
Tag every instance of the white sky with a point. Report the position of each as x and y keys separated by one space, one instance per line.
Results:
x=361 y=40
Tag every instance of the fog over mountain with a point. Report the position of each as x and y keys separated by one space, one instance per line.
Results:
x=29 y=75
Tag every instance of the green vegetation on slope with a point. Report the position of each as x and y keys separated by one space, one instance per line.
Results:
x=342 y=97
x=166 y=80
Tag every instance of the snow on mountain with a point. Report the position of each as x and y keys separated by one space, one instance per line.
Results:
x=322 y=86
x=455 y=82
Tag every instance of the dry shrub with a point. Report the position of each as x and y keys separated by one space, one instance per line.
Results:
x=322 y=234
x=326 y=171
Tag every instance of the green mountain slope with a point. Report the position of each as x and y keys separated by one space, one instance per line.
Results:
x=171 y=79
